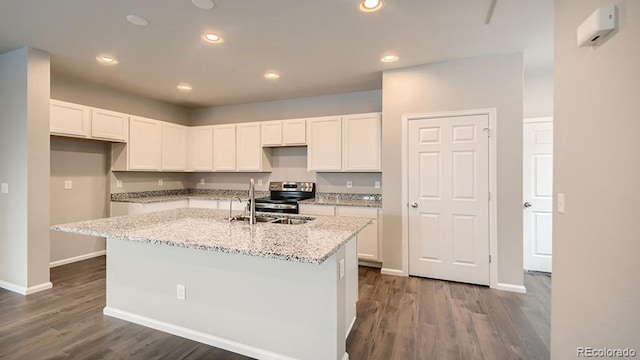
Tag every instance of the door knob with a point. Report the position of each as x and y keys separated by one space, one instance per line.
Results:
x=527 y=204
x=414 y=205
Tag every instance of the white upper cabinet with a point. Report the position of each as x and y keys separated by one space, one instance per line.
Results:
x=174 y=147
x=224 y=147
x=145 y=144
x=249 y=154
x=325 y=144
x=294 y=132
x=200 y=148
x=69 y=119
x=109 y=125
x=272 y=133
x=362 y=142
x=284 y=133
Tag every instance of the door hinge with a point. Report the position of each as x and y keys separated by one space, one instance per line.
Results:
x=489 y=258
x=489 y=196
x=488 y=131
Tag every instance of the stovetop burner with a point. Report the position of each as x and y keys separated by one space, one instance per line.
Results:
x=285 y=196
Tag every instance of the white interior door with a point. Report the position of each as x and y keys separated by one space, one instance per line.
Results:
x=449 y=198
x=538 y=195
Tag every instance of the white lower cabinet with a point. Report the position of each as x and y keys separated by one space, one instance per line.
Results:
x=368 y=238
x=224 y=205
x=203 y=204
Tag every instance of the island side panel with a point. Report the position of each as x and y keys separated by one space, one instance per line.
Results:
x=260 y=307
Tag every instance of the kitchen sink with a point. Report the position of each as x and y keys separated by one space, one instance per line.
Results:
x=290 y=221
x=260 y=219
x=276 y=220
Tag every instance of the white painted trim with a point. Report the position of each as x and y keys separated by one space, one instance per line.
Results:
x=24 y=290
x=511 y=287
x=195 y=335
x=538 y=119
x=353 y=322
x=77 y=258
x=493 y=185
x=345 y=356
x=394 y=272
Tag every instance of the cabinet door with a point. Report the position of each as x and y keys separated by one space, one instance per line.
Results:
x=224 y=148
x=362 y=142
x=203 y=204
x=272 y=133
x=108 y=125
x=145 y=144
x=174 y=147
x=165 y=205
x=69 y=119
x=294 y=132
x=237 y=206
x=249 y=150
x=322 y=210
x=325 y=144
x=368 y=243
x=200 y=148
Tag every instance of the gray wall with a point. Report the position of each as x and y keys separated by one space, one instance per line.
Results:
x=538 y=92
x=77 y=91
x=24 y=165
x=596 y=243
x=339 y=104
x=291 y=163
x=487 y=82
x=86 y=164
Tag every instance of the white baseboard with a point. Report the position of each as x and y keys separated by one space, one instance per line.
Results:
x=22 y=290
x=510 y=287
x=77 y=258
x=394 y=272
x=195 y=335
x=345 y=356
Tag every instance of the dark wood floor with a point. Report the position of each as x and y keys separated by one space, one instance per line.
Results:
x=398 y=318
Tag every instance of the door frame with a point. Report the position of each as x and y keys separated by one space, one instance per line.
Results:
x=493 y=189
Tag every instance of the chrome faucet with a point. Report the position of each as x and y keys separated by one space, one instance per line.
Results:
x=252 y=202
x=231 y=217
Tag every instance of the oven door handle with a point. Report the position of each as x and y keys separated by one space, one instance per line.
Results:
x=275 y=206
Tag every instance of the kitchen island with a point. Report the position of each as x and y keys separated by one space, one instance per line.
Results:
x=269 y=291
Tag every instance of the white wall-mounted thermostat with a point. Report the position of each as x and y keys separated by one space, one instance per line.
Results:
x=599 y=24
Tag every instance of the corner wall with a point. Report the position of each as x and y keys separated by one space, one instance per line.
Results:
x=596 y=243
x=24 y=166
x=476 y=83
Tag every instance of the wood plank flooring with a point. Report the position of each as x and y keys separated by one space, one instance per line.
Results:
x=398 y=318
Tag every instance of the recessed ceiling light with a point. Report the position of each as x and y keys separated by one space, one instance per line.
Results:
x=107 y=60
x=137 y=20
x=370 y=5
x=184 y=87
x=203 y=4
x=212 y=38
x=271 y=75
x=389 y=58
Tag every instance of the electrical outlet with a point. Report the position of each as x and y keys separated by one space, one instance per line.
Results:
x=68 y=184
x=349 y=184
x=118 y=183
x=5 y=188
x=201 y=181
x=341 y=268
x=561 y=203
x=181 y=292
x=376 y=184
x=259 y=182
x=160 y=182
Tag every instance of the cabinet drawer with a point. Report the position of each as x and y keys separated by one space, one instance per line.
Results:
x=321 y=210
x=371 y=213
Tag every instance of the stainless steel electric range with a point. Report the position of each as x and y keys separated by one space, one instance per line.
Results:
x=285 y=196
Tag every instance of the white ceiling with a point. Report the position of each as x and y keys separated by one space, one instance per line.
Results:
x=319 y=46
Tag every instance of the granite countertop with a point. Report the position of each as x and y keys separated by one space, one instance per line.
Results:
x=146 y=197
x=208 y=229
x=343 y=199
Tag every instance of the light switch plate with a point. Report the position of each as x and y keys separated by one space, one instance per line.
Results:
x=5 y=188
x=349 y=184
x=561 y=204
x=259 y=182
x=376 y=184
x=181 y=292
x=118 y=183
x=160 y=182
x=68 y=184
x=201 y=181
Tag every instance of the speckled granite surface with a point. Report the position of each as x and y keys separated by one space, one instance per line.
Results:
x=145 y=197
x=342 y=199
x=209 y=229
